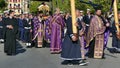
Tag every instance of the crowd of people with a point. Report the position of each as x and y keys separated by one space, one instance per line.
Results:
x=55 y=31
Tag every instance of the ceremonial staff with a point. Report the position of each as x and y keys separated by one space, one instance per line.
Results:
x=74 y=28
x=116 y=17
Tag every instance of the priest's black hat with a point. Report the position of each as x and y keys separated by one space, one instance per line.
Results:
x=10 y=11
x=99 y=7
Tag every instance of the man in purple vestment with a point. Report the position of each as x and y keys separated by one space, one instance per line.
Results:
x=38 y=30
x=47 y=29
x=57 y=26
x=95 y=36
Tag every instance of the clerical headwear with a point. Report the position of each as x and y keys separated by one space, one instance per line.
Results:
x=6 y=12
x=61 y=12
x=11 y=11
x=98 y=8
x=0 y=13
x=88 y=9
x=81 y=11
x=118 y=12
x=25 y=13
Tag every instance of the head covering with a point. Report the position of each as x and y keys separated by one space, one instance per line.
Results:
x=25 y=13
x=0 y=13
x=40 y=12
x=61 y=12
x=10 y=11
x=88 y=9
x=6 y=12
x=118 y=12
x=99 y=7
x=81 y=11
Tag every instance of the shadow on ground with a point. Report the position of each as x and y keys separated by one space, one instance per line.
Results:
x=20 y=48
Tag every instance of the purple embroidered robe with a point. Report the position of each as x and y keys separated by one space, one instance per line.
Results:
x=38 y=30
x=96 y=31
x=57 y=26
x=47 y=29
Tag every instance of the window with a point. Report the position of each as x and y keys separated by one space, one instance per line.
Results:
x=10 y=5
x=18 y=5
x=14 y=0
x=18 y=11
x=18 y=0
x=10 y=0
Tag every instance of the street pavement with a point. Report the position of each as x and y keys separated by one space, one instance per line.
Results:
x=41 y=58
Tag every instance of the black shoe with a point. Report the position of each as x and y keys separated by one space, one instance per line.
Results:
x=75 y=62
x=103 y=57
x=29 y=47
x=83 y=63
x=5 y=51
x=90 y=56
x=118 y=50
x=1 y=42
x=38 y=47
x=9 y=54
x=66 y=62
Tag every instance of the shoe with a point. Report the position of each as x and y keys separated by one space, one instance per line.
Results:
x=11 y=54
x=90 y=56
x=65 y=62
x=2 y=40
x=118 y=50
x=83 y=63
x=103 y=57
x=29 y=47
x=26 y=44
x=29 y=44
x=75 y=62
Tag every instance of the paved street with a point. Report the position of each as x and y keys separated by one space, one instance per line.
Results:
x=41 y=58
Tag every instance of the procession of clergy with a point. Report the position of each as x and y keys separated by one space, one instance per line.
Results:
x=55 y=31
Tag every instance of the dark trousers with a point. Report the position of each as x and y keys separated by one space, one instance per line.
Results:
x=115 y=41
x=21 y=34
x=1 y=33
x=87 y=28
x=27 y=36
x=91 y=49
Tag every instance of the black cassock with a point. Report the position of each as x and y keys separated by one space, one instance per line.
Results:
x=10 y=35
x=1 y=29
x=115 y=40
x=70 y=50
x=86 y=20
x=27 y=27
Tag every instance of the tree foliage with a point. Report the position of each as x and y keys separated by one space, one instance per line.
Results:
x=34 y=6
x=3 y=5
x=64 y=5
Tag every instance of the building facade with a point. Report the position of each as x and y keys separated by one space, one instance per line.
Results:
x=15 y=5
x=19 y=6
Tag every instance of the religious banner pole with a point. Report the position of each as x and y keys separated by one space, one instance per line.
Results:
x=116 y=17
x=74 y=28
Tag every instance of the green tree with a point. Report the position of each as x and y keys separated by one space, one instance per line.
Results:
x=3 y=5
x=34 y=6
x=65 y=5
